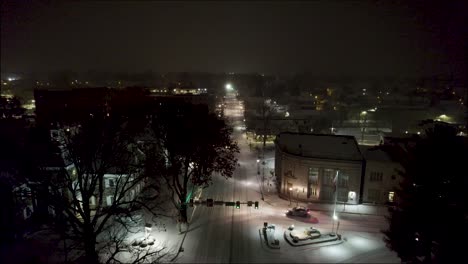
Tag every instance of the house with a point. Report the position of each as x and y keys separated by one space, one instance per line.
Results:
x=311 y=166
x=381 y=177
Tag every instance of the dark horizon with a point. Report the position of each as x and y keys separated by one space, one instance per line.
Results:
x=330 y=39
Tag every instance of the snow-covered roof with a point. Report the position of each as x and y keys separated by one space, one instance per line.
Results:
x=372 y=153
x=319 y=146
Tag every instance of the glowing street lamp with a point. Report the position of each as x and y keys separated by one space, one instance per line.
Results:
x=335 y=217
x=148 y=228
x=363 y=125
x=229 y=87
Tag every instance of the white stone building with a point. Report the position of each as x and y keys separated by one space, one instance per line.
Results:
x=307 y=165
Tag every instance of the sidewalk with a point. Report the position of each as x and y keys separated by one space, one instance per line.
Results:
x=273 y=199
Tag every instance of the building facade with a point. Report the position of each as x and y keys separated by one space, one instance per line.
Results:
x=311 y=167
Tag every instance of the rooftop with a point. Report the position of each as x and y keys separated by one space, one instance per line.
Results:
x=372 y=153
x=319 y=146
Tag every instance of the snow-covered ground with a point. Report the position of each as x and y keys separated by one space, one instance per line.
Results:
x=223 y=234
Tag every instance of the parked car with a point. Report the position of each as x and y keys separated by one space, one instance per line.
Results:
x=298 y=211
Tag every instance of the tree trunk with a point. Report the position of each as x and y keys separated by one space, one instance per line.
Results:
x=90 y=247
x=183 y=213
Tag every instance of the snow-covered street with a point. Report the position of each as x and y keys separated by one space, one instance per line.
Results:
x=223 y=234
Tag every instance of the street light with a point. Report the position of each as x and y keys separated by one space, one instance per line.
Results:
x=335 y=181
x=363 y=113
x=260 y=183
x=290 y=189
x=335 y=218
x=258 y=167
x=297 y=198
x=147 y=230
x=228 y=87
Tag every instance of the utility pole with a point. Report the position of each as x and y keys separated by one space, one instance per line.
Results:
x=297 y=198
x=334 y=217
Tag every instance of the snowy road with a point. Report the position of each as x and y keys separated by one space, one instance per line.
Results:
x=223 y=234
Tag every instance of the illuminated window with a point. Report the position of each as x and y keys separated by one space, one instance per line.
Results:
x=110 y=200
x=391 y=196
x=351 y=196
x=313 y=181
x=313 y=176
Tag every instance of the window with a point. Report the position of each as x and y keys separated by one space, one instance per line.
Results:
x=110 y=183
x=110 y=200
x=343 y=180
x=351 y=196
x=326 y=193
x=312 y=191
x=313 y=182
x=92 y=200
x=313 y=176
x=289 y=187
x=376 y=176
x=391 y=196
x=373 y=195
x=328 y=176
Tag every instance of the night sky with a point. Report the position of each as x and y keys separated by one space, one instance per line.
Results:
x=333 y=37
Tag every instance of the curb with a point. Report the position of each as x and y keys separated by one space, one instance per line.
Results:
x=181 y=244
x=335 y=241
x=320 y=210
x=264 y=238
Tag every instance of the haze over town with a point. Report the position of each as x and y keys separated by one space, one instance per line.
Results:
x=229 y=132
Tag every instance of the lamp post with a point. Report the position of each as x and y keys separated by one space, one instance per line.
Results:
x=297 y=197
x=337 y=227
x=263 y=173
x=147 y=230
x=290 y=189
x=333 y=224
x=335 y=181
x=363 y=126
x=258 y=167
x=260 y=183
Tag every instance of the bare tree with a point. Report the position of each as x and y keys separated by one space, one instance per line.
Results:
x=191 y=144
x=102 y=180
